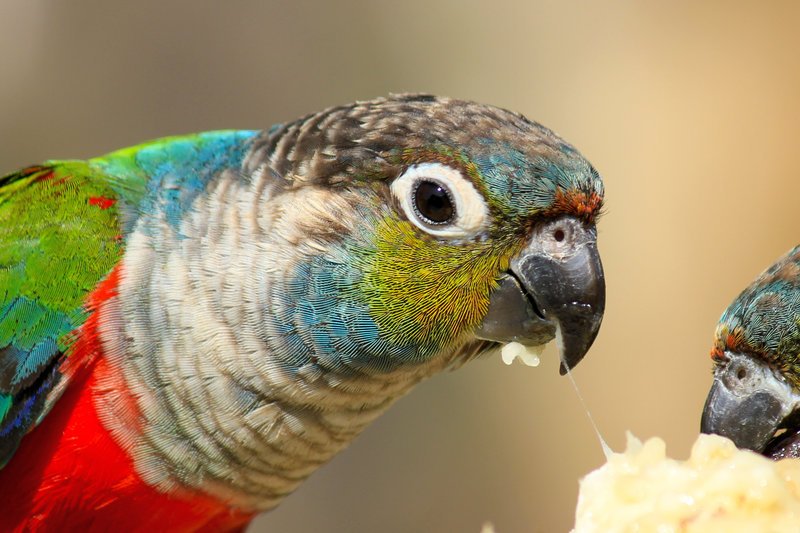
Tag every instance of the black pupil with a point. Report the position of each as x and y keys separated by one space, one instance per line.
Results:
x=433 y=202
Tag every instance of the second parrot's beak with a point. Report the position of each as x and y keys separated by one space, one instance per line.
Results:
x=555 y=288
x=748 y=402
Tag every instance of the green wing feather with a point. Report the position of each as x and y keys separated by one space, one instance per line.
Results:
x=62 y=228
x=59 y=237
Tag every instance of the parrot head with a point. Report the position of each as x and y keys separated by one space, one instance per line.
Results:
x=432 y=223
x=755 y=395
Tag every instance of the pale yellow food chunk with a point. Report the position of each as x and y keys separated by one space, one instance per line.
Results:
x=718 y=489
x=527 y=354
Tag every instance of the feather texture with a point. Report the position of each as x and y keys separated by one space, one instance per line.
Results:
x=228 y=310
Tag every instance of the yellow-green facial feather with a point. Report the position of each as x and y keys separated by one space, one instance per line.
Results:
x=426 y=291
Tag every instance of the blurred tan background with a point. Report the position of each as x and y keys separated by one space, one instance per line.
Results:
x=690 y=111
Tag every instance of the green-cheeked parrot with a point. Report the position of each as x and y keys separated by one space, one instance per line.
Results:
x=190 y=327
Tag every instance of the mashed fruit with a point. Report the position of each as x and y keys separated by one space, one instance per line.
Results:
x=718 y=489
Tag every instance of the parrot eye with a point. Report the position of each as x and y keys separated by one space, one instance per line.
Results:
x=439 y=200
x=432 y=202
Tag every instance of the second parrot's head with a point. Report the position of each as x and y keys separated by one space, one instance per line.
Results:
x=429 y=223
x=755 y=396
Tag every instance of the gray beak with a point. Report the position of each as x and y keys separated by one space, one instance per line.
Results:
x=555 y=285
x=748 y=402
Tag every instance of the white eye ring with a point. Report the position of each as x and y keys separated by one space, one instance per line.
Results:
x=470 y=213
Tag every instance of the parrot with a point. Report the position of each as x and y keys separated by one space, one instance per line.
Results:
x=755 y=393
x=191 y=326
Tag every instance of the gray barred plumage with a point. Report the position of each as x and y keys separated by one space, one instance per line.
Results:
x=239 y=423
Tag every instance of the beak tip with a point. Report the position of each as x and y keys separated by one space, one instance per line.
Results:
x=576 y=336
